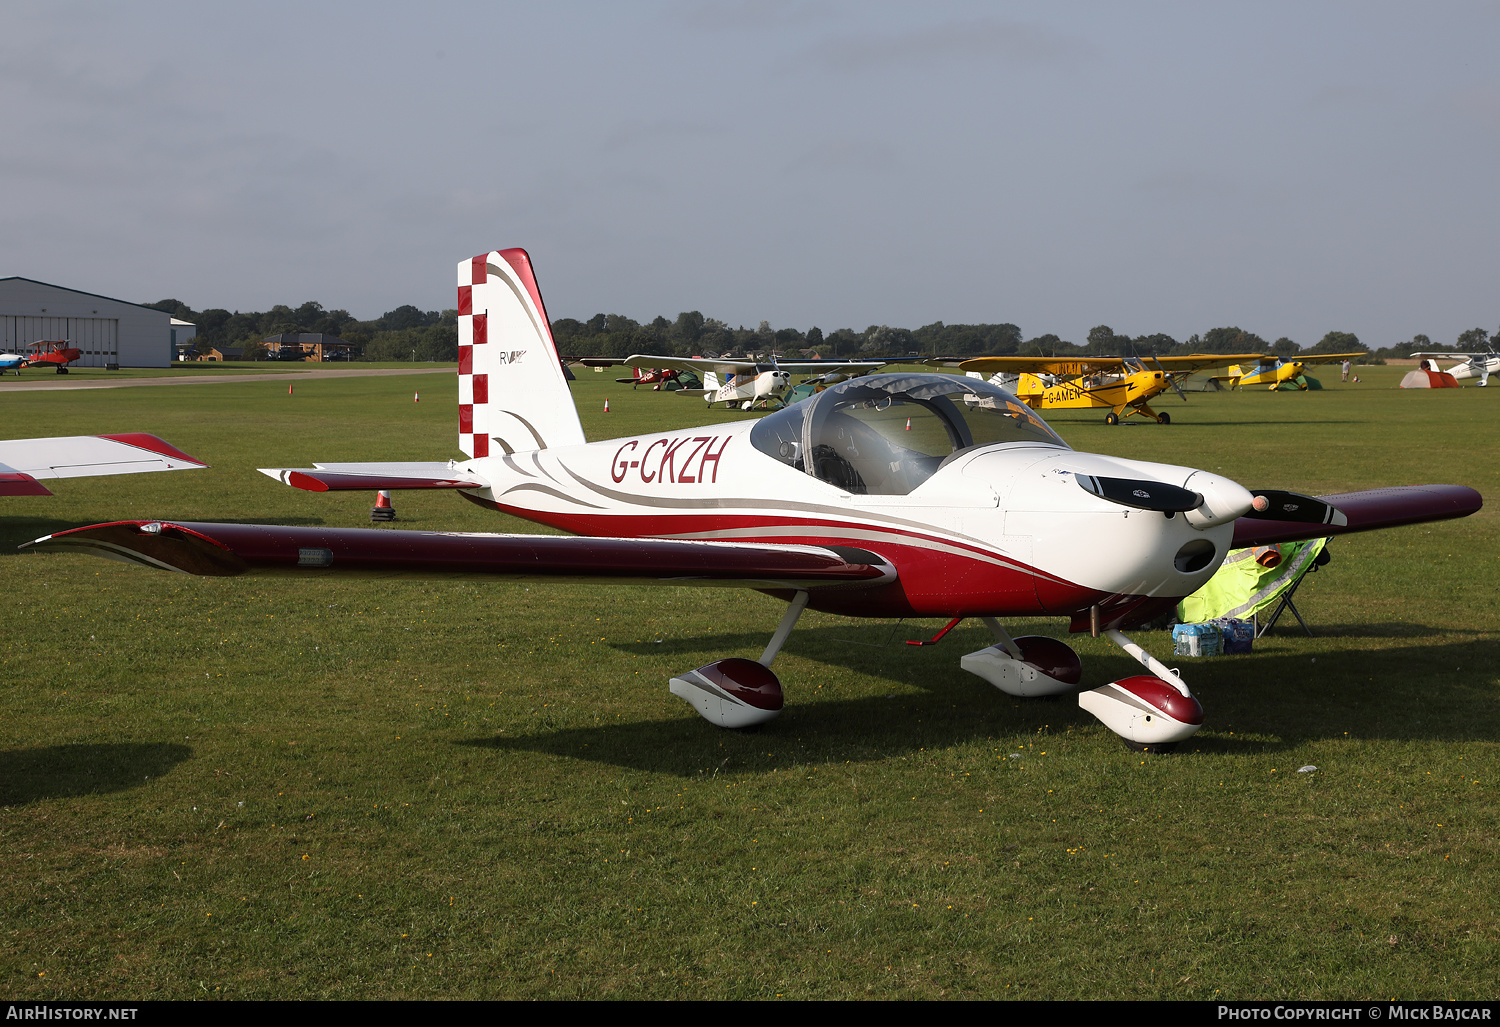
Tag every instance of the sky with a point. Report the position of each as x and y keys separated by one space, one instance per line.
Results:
x=1289 y=168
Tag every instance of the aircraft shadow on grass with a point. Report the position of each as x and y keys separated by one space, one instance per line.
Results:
x=69 y=771
x=15 y=530
x=1251 y=422
x=1272 y=702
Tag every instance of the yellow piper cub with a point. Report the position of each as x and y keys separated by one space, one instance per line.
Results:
x=1274 y=372
x=1124 y=385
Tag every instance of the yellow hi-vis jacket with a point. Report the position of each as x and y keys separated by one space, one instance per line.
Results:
x=1244 y=586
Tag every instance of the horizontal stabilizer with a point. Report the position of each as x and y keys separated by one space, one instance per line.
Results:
x=1362 y=511
x=19 y=483
x=373 y=477
x=83 y=456
x=223 y=550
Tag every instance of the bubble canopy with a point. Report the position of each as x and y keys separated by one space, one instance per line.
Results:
x=886 y=434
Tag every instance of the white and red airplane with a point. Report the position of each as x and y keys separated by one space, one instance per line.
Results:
x=1473 y=365
x=748 y=381
x=888 y=495
x=24 y=461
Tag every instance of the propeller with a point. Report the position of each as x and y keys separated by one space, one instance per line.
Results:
x=1141 y=495
x=1273 y=505
x=1168 y=376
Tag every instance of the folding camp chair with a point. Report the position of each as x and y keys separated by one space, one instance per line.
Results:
x=1286 y=602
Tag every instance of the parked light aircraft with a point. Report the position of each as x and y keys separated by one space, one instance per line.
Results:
x=56 y=352
x=655 y=377
x=888 y=495
x=748 y=381
x=24 y=461
x=12 y=362
x=659 y=378
x=1473 y=365
x=1122 y=385
x=1273 y=372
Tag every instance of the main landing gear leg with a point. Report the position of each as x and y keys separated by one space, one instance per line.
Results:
x=1031 y=665
x=737 y=692
x=1150 y=712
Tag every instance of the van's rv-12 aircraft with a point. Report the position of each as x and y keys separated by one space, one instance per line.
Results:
x=1121 y=385
x=887 y=495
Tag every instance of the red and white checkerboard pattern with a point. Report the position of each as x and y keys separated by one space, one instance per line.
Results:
x=472 y=331
x=512 y=393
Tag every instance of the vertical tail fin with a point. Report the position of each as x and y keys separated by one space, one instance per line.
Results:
x=512 y=388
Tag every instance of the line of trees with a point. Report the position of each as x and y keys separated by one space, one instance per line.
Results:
x=409 y=333
x=406 y=333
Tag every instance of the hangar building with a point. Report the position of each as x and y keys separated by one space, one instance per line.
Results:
x=107 y=331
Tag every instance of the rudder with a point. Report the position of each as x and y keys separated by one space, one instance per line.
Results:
x=512 y=388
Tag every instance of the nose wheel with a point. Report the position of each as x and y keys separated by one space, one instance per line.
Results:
x=1150 y=712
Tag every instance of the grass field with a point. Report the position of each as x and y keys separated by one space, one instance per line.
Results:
x=315 y=789
x=193 y=368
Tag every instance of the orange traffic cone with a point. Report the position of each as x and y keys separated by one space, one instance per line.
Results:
x=908 y=424
x=382 y=510
x=289 y=390
x=606 y=406
x=416 y=397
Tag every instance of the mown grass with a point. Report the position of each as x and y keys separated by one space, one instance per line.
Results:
x=271 y=788
x=193 y=368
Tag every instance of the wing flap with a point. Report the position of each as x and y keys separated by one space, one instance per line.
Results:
x=223 y=550
x=1365 y=511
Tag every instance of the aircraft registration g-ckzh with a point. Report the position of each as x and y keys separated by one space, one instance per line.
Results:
x=887 y=495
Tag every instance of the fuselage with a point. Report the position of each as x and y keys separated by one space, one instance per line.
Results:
x=1271 y=375
x=749 y=389
x=1001 y=530
x=1092 y=391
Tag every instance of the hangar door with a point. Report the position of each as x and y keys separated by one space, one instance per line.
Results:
x=97 y=337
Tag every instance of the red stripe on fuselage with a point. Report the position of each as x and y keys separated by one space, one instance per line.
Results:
x=931 y=583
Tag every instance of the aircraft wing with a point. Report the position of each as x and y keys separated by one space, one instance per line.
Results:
x=373 y=477
x=225 y=550
x=1358 y=511
x=1197 y=361
x=1042 y=365
x=732 y=366
x=1313 y=359
x=1094 y=365
x=23 y=461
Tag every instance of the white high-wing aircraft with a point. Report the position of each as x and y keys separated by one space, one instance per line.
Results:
x=1473 y=365
x=888 y=495
x=24 y=461
x=747 y=381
